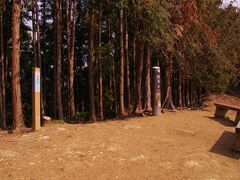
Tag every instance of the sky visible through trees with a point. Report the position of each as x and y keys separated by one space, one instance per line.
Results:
x=234 y=2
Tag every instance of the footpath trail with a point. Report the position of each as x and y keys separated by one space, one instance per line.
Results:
x=182 y=145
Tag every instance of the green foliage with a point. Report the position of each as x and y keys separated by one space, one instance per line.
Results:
x=82 y=115
x=154 y=26
x=212 y=65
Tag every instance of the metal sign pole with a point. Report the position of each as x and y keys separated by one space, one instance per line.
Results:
x=36 y=90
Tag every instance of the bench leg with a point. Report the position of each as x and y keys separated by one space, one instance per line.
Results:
x=236 y=146
x=237 y=118
x=220 y=112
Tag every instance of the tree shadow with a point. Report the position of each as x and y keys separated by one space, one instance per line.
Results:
x=225 y=144
x=123 y=119
x=223 y=121
x=130 y=117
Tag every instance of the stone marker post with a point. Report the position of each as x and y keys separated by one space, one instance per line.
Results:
x=157 y=91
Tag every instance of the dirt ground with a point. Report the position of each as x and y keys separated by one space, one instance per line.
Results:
x=181 y=145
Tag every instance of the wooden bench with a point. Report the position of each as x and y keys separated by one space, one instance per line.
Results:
x=222 y=109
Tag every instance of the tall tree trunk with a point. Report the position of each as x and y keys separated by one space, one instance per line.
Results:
x=148 y=104
x=91 y=68
x=1 y=67
x=121 y=82
x=134 y=52
x=183 y=92
x=114 y=30
x=35 y=62
x=193 y=95
x=138 y=103
x=2 y=75
x=39 y=55
x=168 y=102
x=180 y=104
x=7 y=31
x=134 y=66
x=175 y=90
x=55 y=63
x=199 y=96
x=16 y=87
x=72 y=57
x=111 y=91
x=127 y=66
x=39 y=63
x=101 y=116
x=187 y=93
x=68 y=39
x=113 y=86
x=58 y=59
x=71 y=61
x=44 y=72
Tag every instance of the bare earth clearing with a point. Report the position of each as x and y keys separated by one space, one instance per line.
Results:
x=182 y=145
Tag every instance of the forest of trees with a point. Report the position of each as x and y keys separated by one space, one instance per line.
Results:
x=96 y=56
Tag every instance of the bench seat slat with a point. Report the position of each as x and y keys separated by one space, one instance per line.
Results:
x=230 y=107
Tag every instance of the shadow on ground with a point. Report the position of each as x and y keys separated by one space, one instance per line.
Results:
x=224 y=145
x=223 y=121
